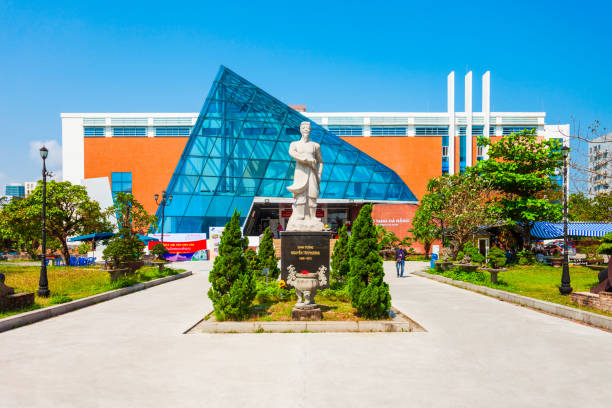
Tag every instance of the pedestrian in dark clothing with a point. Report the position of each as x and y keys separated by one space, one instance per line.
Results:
x=400 y=257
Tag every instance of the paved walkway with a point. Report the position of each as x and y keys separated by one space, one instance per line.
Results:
x=478 y=351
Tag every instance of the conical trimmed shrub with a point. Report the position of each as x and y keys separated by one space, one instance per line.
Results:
x=367 y=288
x=267 y=255
x=233 y=283
x=340 y=265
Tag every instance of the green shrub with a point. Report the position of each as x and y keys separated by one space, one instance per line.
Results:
x=526 y=257
x=497 y=258
x=233 y=284
x=252 y=261
x=267 y=256
x=369 y=293
x=123 y=249
x=340 y=265
x=605 y=248
x=470 y=250
x=83 y=249
x=159 y=250
x=460 y=256
x=336 y=294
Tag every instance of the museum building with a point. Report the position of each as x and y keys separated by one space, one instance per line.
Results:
x=234 y=155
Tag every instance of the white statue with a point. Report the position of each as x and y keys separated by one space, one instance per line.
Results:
x=306 y=181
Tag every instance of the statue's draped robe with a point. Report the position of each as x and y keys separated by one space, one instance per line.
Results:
x=305 y=179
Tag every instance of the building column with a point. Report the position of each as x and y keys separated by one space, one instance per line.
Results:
x=486 y=107
x=450 y=100
x=468 y=114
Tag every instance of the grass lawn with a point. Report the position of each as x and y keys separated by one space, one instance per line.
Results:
x=536 y=281
x=333 y=308
x=71 y=283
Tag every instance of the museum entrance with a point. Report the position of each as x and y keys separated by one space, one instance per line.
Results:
x=271 y=215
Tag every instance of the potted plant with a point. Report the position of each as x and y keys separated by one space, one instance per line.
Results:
x=496 y=259
x=159 y=251
x=470 y=258
x=123 y=256
x=445 y=262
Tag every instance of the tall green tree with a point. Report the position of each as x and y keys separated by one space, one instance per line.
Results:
x=18 y=229
x=367 y=288
x=233 y=283
x=340 y=261
x=70 y=212
x=583 y=208
x=425 y=229
x=132 y=219
x=267 y=256
x=522 y=168
x=463 y=203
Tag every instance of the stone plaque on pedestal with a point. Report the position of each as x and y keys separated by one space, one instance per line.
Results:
x=306 y=251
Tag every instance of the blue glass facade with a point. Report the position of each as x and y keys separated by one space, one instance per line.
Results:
x=238 y=150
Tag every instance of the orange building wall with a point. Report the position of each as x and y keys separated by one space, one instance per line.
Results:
x=414 y=159
x=151 y=161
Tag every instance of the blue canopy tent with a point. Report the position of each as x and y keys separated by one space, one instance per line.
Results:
x=549 y=230
x=146 y=239
x=98 y=236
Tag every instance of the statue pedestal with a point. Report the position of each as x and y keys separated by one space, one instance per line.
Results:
x=306 y=251
x=313 y=313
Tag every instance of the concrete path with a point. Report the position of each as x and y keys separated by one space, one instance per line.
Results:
x=478 y=351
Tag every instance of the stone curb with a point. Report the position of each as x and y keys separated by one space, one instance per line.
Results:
x=589 y=318
x=311 y=326
x=34 y=316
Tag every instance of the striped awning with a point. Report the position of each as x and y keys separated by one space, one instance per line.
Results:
x=546 y=230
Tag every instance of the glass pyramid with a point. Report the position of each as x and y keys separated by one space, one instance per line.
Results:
x=238 y=150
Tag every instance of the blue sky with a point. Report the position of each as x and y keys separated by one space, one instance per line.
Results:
x=551 y=56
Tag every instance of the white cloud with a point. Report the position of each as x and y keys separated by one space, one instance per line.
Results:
x=54 y=160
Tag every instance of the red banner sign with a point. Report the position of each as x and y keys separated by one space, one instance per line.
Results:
x=187 y=247
x=286 y=213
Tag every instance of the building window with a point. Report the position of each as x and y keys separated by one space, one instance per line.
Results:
x=431 y=131
x=492 y=131
x=444 y=151
x=477 y=130
x=93 y=132
x=508 y=130
x=462 y=130
x=129 y=131
x=172 y=131
x=346 y=130
x=388 y=131
x=445 y=165
x=121 y=182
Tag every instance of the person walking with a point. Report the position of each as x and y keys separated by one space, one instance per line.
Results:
x=279 y=229
x=400 y=257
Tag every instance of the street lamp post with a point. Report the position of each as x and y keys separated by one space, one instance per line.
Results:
x=43 y=283
x=165 y=201
x=565 y=287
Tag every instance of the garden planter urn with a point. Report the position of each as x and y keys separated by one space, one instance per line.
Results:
x=116 y=273
x=556 y=262
x=306 y=285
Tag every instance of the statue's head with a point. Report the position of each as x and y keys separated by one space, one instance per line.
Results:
x=305 y=128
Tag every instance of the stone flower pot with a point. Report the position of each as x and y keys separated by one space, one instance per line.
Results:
x=116 y=273
x=444 y=265
x=467 y=267
x=494 y=273
x=556 y=262
x=159 y=263
x=307 y=284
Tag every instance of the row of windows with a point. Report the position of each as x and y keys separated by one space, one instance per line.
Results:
x=476 y=130
x=137 y=131
x=346 y=130
x=508 y=130
x=431 y=131
x=388 y=131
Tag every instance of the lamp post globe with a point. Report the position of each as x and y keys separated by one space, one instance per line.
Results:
x=43 y=283
x=565 y=288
